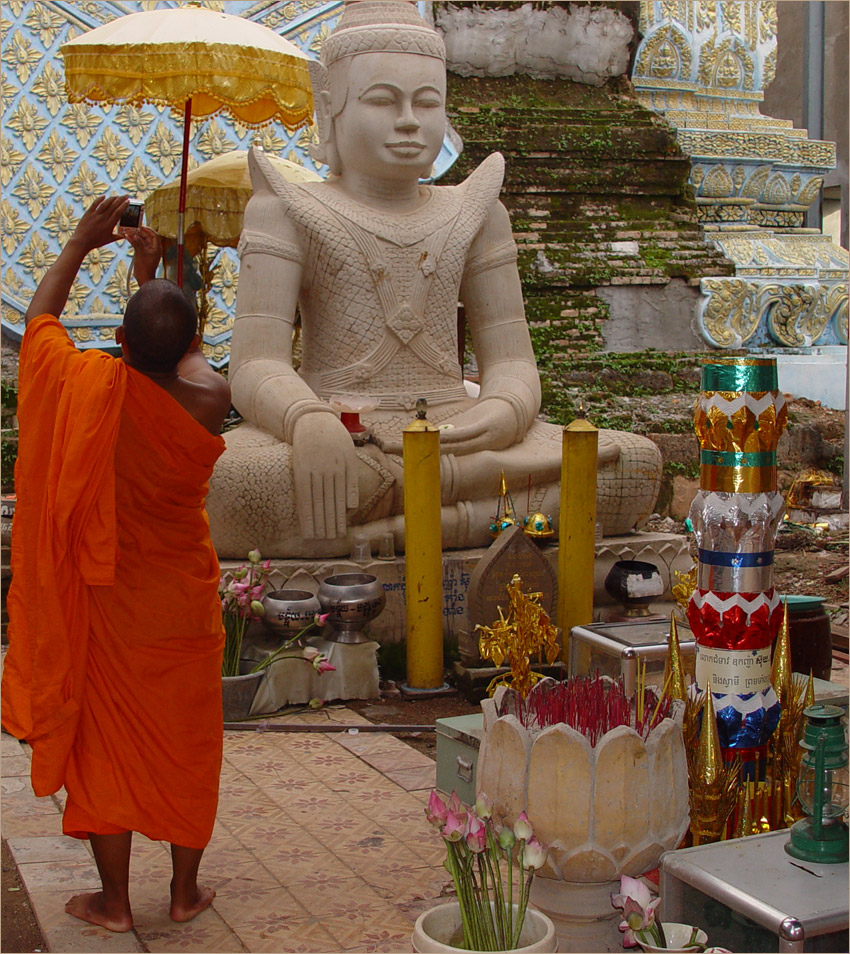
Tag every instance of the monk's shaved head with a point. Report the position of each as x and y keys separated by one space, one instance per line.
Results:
x=159 y=325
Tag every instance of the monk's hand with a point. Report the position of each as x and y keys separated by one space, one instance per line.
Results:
x=147 y=249
x=99 y=221
x=324 y=466
x=489 y=425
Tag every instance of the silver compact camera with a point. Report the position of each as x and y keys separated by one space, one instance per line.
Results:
x=131 y=217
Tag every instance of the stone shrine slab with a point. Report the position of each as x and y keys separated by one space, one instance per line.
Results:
x=511 y=553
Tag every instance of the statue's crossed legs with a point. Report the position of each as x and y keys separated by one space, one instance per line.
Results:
x=251 y=502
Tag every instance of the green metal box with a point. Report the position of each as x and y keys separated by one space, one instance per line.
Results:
x=458 y=740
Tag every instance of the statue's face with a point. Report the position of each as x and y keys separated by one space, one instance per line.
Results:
x=394 y=118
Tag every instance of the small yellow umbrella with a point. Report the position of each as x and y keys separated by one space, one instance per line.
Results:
x=195 y=60
x=217 y=192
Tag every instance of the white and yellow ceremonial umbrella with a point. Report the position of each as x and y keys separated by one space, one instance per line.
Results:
x=194 y=60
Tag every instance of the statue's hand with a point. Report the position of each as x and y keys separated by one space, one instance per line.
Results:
x=324 y=465
x=489 y=425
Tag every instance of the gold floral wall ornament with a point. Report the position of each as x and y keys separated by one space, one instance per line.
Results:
x=85 y=186
x=10 y=160
x=50 y=88
x=110 y=153
x=81 y=122
x=134 y=121
x=26 y=122
x=36 y=257
x=56 y=156
x=32 y=190
x=44 y=23
x=12 y=227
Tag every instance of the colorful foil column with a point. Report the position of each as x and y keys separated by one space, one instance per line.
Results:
x=734 y=611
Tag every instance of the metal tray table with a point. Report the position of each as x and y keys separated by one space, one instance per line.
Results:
x=748 y=894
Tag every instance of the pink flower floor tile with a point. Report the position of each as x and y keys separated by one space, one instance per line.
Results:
x=358 y=927
x=276 y=932
x=236 y=899
x=206 y=933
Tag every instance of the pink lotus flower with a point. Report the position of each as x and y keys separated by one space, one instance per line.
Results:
x=310 y=653
x=483 y=806
x=254 y=556
x=320 y=618
x=436 y=811
x=323 y=666
x=475 y=834
x=533 y=854
x=258 y=609
x=507 y=839
x=522 y=828
x=638 y=906
x=453 y=830
x=456 y=805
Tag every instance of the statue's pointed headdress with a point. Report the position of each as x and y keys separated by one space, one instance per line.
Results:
x=368 y=26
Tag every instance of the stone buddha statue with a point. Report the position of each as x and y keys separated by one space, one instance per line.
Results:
x=376 y=263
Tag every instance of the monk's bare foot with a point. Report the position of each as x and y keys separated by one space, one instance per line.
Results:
x=186 y=909
x=93 y=908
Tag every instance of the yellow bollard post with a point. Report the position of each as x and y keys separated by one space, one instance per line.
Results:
x=423 y=552
x=577 y=530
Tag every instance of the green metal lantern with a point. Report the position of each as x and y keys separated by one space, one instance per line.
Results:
x=822 y=788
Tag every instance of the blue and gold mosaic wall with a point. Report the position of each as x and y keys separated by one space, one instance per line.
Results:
x=55 y=158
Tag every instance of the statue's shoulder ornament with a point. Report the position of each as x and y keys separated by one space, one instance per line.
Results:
x=482 y=188
x=276 y=236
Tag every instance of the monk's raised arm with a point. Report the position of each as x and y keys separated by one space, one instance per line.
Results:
x=95 y=228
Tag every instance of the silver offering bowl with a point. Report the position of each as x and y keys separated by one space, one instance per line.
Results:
x=351 y=600
x=289 y=611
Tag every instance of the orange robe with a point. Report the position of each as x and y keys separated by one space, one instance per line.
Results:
x=113 y=673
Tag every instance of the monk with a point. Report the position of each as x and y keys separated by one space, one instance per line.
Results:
x=113 y=674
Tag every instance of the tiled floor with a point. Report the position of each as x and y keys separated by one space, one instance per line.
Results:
x=321 y=844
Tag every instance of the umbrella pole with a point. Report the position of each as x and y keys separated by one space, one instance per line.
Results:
x=181 y=203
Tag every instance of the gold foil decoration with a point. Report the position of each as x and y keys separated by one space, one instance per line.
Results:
x=780 y=668
x=737 y=480
x=673 y=670
x=525 y=631
x=809 y=699
x=743 y=430
x=684 y=586
x=713 y=782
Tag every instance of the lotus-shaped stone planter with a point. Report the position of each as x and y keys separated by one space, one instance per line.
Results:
x=604 y=810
